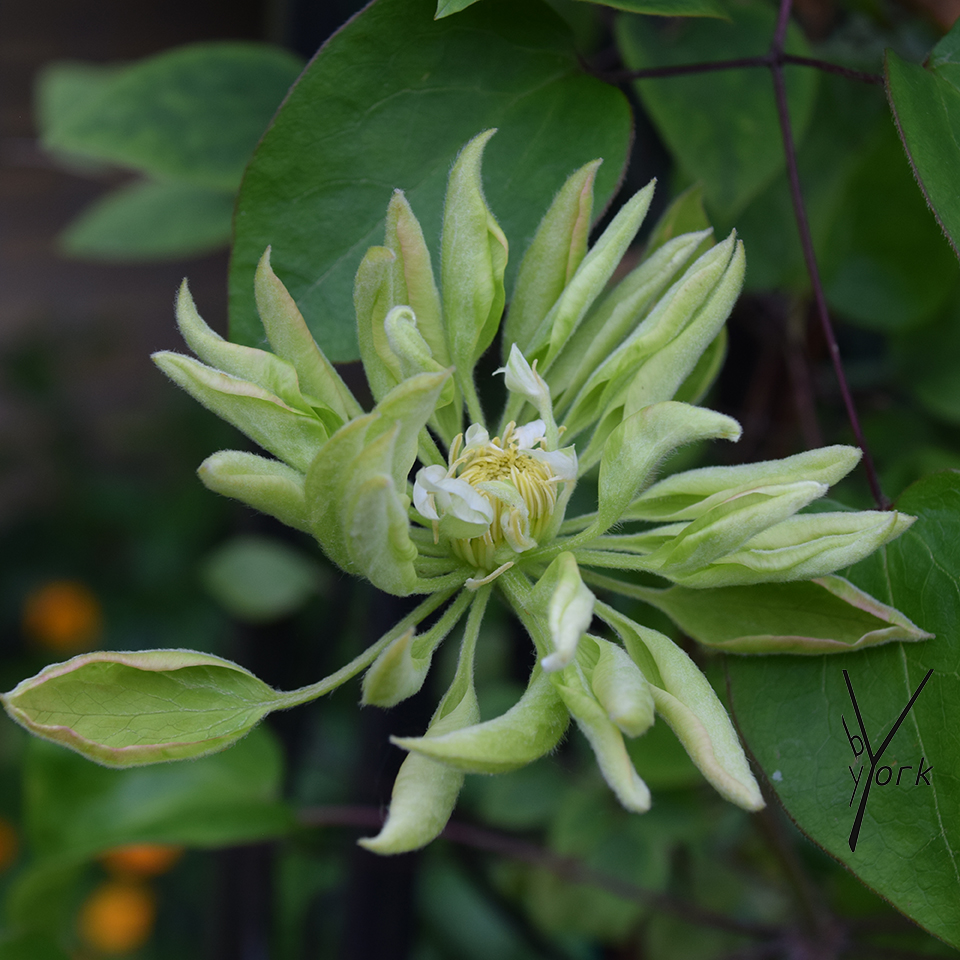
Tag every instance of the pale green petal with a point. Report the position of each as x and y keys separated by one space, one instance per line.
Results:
x=290 y=338
x=553 y=257
x=687 y=495
x=634 y=449
x=266 y=485
x=685 y=699
x=287 y=433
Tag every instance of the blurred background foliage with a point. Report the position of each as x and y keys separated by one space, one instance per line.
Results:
x=140 y=130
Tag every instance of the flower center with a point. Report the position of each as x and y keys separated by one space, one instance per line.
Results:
x=497 y=498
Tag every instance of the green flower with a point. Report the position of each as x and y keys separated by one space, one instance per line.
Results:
x=600 y=381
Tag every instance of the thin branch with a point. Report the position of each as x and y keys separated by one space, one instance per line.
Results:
x=567 y=868
x=809 y=256
x=821 y=923
x=827 y=67
x=648 y=73
x=775 y=58
x=776 y=55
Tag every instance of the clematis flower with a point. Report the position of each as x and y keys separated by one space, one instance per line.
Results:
x=427 y=494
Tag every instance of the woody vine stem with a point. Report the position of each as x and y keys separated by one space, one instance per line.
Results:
x=774 y=60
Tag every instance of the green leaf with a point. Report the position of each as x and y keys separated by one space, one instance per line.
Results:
x=885 y=267
x=63 y=89
x=926 y=106
x=446 y=8
x=884 y=264
x=792 y=713
x=828 y=615
x=657 y=8
x=722 y=127
x=192 y=114
x=928 y=361
x=31 y=946
x=151 y=221
x=320 y=182
x=74 y=809
x=669 y=8
x=259 y=579
x=126 y=709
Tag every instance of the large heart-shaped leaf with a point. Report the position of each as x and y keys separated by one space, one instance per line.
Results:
x=798 y=718
x=722 y=127
x=387 y=103
x=926 y=104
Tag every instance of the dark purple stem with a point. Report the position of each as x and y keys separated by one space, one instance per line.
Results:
x=809 y=255
x=827 y=67
x=568 y=868
x=771 y=59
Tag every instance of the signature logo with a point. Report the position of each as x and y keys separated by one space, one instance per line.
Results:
x=881 y=775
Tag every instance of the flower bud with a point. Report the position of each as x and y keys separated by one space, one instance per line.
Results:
x=569 y=609
x=402 y=667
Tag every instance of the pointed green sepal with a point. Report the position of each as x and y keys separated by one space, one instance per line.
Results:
x=530 y=728
x=727 y=526
x=653 y=362
x=266 y=485
x=590 y=279
x=685 y=699
x=473 y=259
x=128 y=709
x=813 y=617
x=688 y=495
x=618 y=314
x=333 y=480
x=619 y=685
x=557 y=250
x=373 y=517
x=661 y=377
x=634 y=449
x=801 y=548
x=605 y=739
x=293 y=436
x=290 y=339
x=373 y=299
x=413 y=274
x=326 y=483
x=261 y=368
